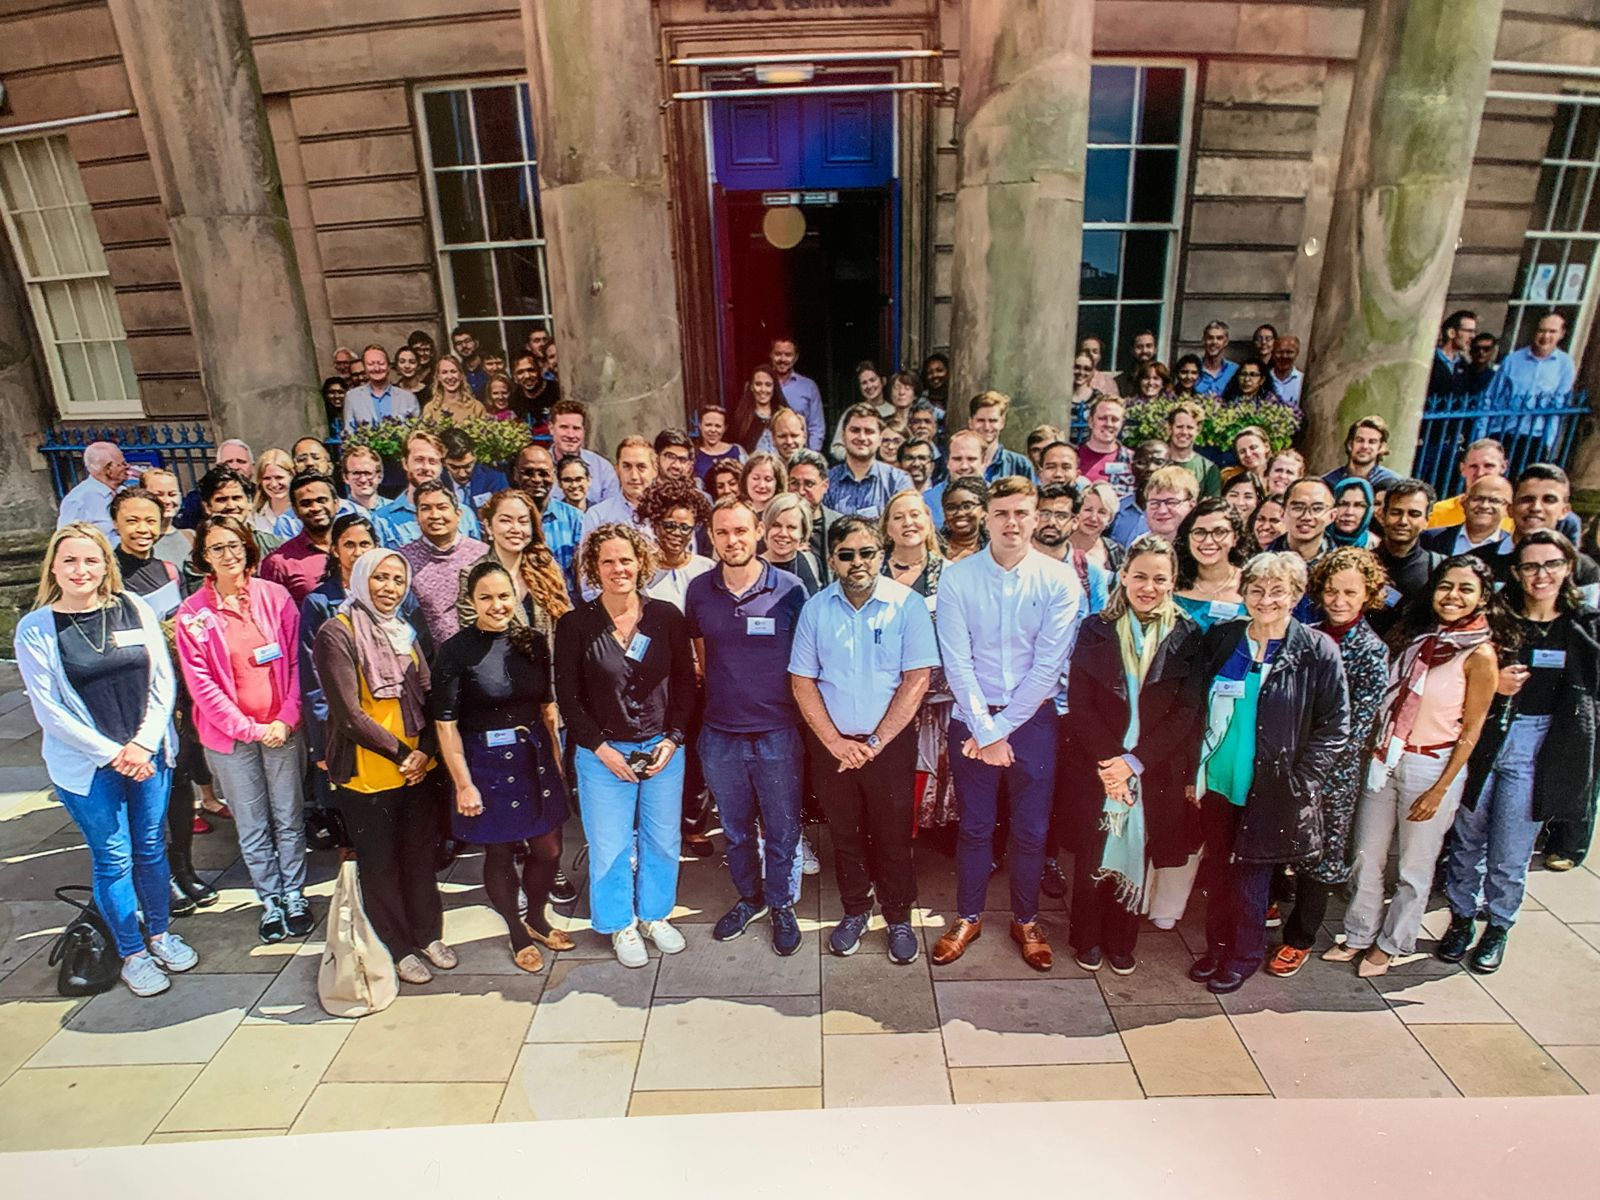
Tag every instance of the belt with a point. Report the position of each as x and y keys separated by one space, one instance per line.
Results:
x=1428 y=751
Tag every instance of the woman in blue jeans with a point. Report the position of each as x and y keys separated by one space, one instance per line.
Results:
x=1536 y=759
x=96 y=668
x=625 y=684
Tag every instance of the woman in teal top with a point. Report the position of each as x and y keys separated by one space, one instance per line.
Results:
x=1211 y=550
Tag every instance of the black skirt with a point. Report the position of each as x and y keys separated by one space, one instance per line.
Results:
x=523 y=796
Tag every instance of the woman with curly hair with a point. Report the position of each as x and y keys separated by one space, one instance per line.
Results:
x=723 y=479
x=626 y=685
x=675 y=510
x=1348 y=583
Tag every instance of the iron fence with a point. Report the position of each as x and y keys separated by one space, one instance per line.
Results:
x=185 y=450
x=1535 y=427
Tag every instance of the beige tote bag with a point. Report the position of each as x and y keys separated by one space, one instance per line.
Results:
x=357 y=975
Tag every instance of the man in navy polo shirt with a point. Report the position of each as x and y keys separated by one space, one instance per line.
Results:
x=743 y=617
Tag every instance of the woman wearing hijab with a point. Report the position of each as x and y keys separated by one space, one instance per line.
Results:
x=1352 y=514
x=1130 y=752
x=378 y=746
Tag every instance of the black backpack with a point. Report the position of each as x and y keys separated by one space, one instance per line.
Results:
x=85 y=949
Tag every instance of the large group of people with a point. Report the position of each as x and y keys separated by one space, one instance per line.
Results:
x=1187 y=672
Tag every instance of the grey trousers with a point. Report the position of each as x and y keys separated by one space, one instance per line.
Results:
x=265 y=789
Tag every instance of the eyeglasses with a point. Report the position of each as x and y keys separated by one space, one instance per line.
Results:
x=352 y=473
x=918 y=458
x=963 y=506
x=1211 y=535
x=1054 y=516
x=225 y=550
x=850 y=556
x=1173 y=502
x=1261 y=594
x=1249 y=374
x=1552 y=567
x=674 y=527
x=677 y=456
x=1308 y=510
x=566 y=479
x=1487 y=502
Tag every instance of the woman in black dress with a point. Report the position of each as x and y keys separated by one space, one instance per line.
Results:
x=492 y=690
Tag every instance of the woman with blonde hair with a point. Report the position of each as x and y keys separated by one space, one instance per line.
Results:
x=274 y=470
x=787 y=521
x=95 y=665
x=450 y=399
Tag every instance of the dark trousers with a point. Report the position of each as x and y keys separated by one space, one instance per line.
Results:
x=1571 y=836
x=869 y=814
x=395 y=834
x=1098 y=917
x=1236 y=906
x=1310 y=910
x=1030 y=781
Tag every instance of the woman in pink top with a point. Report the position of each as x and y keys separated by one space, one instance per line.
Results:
x=237 y=640
x=1428 y=722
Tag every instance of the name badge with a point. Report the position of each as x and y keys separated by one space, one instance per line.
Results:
x=271 y=652
x=1548 y=658
x=164 y=600
x=1228 y=687
x=500 y=737
x=1391 y=597
x=637 y=647
x=477 y=501
x=1222 y=610
x=760 y=626
x=932 y=602
x=123 y=638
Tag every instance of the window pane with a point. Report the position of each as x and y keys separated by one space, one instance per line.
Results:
x=1106 y=186
x=61 y=228
x=1586 y=137
x=1144 y=266
x=527 y=123
x=1098 y=320
x=1102 y=264
x=521 y=291
x=506 y=193
x=472 y=276
x=97 y=309
x=487 y=332
x=1135 y=319
x=1538 y=277
x=1162 y=119
x=1111 y=92
x=1155 y=185
x=449 y=130
x=103 y=366
x=499 y=136
x=41 y=173
x=80 y=379
x=64 y=323
x=35 y=253
x=1543 y=197
x=130 y=381
x=1569 y=201
x=460 y=211
x=533 y=190
x=67 y=169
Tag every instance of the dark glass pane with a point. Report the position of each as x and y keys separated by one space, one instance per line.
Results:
x=520 y=292
x=1162 y=119
x=499 y=137
x=487 y=332
x=1544 y=197
x=1111 y=91
x=528 y=146
x=1136 y=318
x=1155 y=184
x=1537 y=280
x=472 y=275
x=1574 y=187
x=460 y=212
x=1098 y=320
x=1102 y=263
x=1144 y=266
x=1106 y=186
x=505 y=191
x=533 y=190
x=449 y=128
x=517 y=339
x=1586 y=136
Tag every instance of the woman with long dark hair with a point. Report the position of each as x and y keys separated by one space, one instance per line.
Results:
x=761 y=400
x=1210 y=547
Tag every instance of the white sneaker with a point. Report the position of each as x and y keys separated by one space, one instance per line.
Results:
x=412 y=969
x=808 y=858
x=1163 y=922
x=630 y=947
x=173 y=953
x=143 y=976
x=667 y=939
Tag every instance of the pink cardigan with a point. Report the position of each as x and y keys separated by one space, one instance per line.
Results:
x=209 y=675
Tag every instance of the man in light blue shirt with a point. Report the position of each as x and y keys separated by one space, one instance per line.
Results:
x=801 y=393
x=396 y=521
x=863 y=653
x=377 y=398
x=534 y=471
x=1007 y=616
x=636 y=471
x=986 y=417
x=862 y=484
x=90 y=501
x=1215 y=370
x=569 y=428
x=1542 y=373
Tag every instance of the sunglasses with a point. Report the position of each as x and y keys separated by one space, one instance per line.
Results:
x=674 y=527
x=850 y=556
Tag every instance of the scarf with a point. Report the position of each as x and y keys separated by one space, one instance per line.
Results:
x=383 y=644
x=1359 y=537
x=1402 y=699
x=1337 y=631
x=1124 y=861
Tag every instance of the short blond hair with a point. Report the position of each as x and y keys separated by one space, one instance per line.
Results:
x=1174 y=479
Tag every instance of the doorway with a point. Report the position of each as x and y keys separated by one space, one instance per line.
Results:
x=805 y=211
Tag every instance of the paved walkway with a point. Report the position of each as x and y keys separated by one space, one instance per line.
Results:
x=241 y=1048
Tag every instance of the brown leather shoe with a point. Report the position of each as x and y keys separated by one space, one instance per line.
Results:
x=1035 y=949
x=954 y=943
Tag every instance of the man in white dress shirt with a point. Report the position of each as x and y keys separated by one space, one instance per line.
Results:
x=1007 y=617
x=91 y=500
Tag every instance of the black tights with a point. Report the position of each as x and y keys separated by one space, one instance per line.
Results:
x=180 y=821
x=500 y=879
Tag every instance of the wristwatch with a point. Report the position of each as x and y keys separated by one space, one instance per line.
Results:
x=873 y=741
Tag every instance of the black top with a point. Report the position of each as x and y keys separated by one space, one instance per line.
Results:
x=606 y=695
x=1541 y=639
x=1408 y=577
x=805 y=568
x=113 y=680
x=147 y=576
x=482 y=682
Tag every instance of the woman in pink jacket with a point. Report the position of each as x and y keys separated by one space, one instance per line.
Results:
x=237 y=639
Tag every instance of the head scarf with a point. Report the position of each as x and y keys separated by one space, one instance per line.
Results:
x=1359 y=537
x=383 y=644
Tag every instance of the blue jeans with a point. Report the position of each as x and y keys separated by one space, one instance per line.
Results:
x=628 y=823
x=751 y=774
x=124 y=824
x=1237 y=895
x=1030 y=784
x=1493 y=840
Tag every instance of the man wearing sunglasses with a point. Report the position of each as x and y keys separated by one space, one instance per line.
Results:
x=863 y=653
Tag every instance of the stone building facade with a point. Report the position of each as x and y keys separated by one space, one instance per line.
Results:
x=203 y=201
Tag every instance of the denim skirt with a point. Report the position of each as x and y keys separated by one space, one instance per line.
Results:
x=523 y=796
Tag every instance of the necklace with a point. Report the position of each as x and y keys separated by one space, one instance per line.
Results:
x=104 y=627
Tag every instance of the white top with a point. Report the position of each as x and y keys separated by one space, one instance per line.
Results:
x=672 y=583
x=90 y=501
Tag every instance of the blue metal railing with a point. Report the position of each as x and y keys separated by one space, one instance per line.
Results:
x=185 y=450
x=1539 y=427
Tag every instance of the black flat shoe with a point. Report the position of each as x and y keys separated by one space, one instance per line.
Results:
x=1457 y=940
x=561 y=889
x=179 y=902
x=1204 y=969
x=1490 y=951
x=1224 y=982
x=1053 y=883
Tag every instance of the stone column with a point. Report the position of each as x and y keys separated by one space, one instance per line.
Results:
x=603 y=192
x=1421 y=72
x=1023 y=130
x=193 y=75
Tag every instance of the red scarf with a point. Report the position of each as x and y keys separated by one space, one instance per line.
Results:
x=1402 y=701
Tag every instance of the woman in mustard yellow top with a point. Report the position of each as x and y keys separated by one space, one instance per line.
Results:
x=379 y=745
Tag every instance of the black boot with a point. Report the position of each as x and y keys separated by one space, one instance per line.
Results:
x=180 y=903
x=1490 y=951
x=196 y=888
x=1453 y=946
